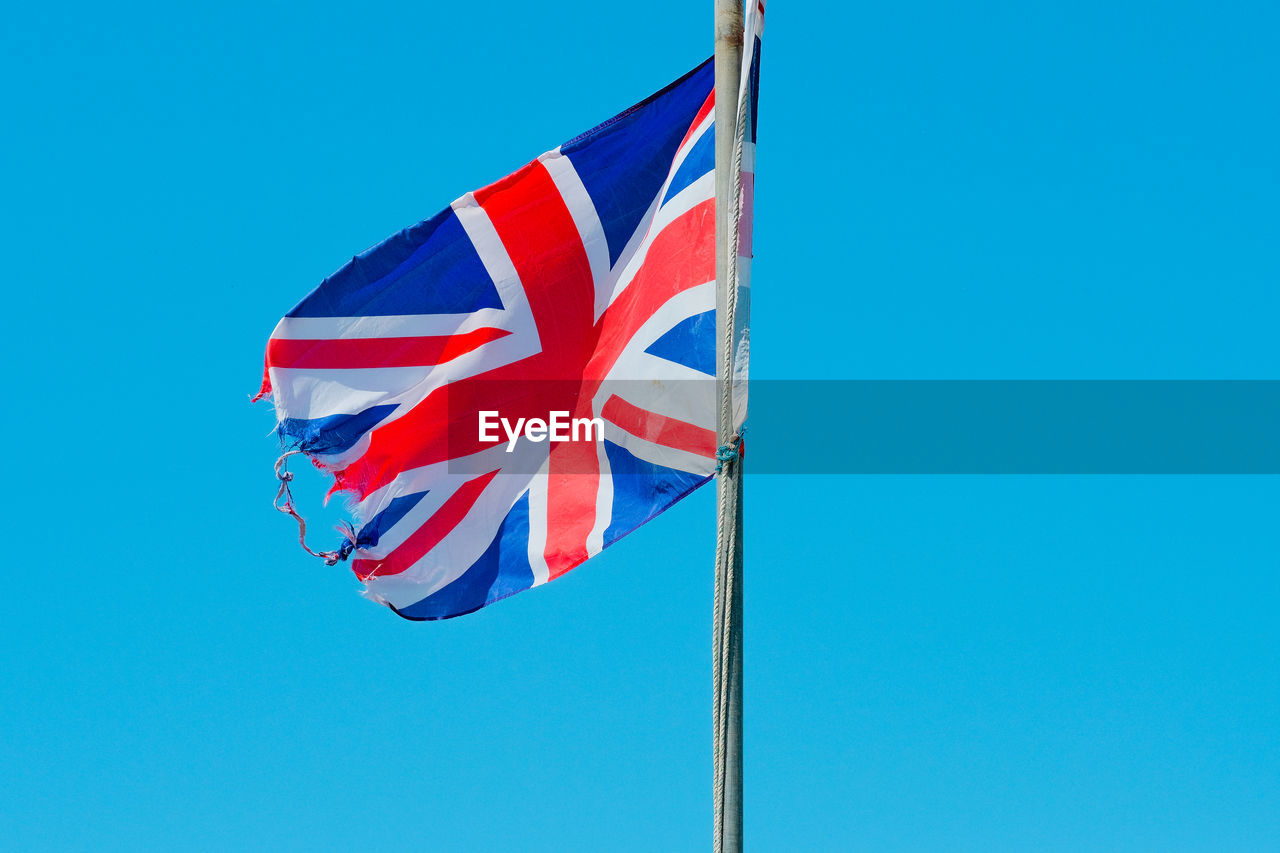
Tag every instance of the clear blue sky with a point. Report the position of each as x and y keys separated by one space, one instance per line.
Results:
x=980 y=190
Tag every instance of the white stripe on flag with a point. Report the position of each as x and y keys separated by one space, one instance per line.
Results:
x=587 y=220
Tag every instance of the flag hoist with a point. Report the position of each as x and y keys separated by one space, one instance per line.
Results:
x=736 y=92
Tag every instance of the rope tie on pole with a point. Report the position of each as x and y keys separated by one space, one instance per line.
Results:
x=331 y=558
x=727 y=453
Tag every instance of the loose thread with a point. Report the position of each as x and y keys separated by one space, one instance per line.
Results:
x=331 y=558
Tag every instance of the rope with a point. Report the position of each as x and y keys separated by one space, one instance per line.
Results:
x=726 y=453
x=331 y=558
x=723 y=615
x=722 y=641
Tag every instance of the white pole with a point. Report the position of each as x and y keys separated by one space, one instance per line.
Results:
x=727 y=616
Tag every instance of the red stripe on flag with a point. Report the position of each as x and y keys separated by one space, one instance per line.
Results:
x=368 y=353
x=546 y=249
x=660 y=429
x=697 y=120
x=266 y=384
x=544 y=245
x=573 y=482
x=428 y=536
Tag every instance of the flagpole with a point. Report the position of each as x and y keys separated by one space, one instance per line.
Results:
x=727 y=610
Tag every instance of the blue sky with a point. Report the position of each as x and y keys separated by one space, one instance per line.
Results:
x=944 y=192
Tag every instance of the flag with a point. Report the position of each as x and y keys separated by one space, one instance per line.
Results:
x=576 y=293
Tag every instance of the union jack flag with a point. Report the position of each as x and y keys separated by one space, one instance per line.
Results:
x=582 y=283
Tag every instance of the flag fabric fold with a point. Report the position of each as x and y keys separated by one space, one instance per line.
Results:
x=582 y=285
x=745 y=168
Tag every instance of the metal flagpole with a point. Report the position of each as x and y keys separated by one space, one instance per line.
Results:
x=727 y=611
